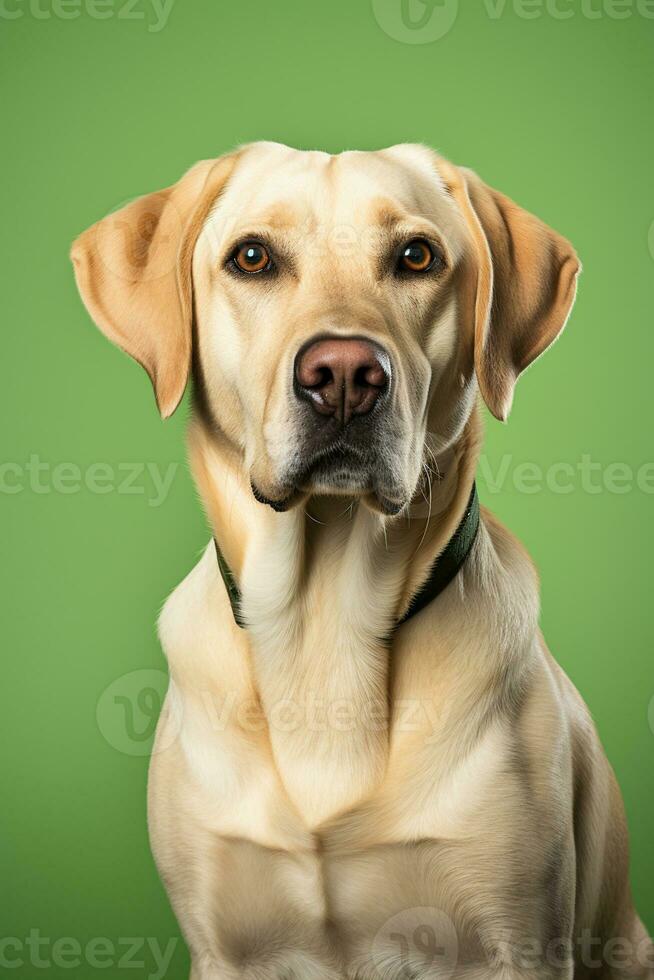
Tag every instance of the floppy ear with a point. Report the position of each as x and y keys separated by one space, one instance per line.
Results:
x=526 y=285
x=133 y=271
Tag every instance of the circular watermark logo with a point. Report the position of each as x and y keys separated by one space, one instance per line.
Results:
x=417 y=940
x=128 y=710
x=137 y=240
x=416 y=21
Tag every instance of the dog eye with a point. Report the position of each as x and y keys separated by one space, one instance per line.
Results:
x=416 y=256
x=251 y=257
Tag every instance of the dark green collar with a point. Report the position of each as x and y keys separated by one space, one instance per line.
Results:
x=445 y=567
x=450 y=560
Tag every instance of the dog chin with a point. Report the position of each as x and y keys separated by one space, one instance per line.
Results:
x=337 y=481
x=376 y=500
x=280 y=504
x=334 y=477
x=345 y=484
x=381 y=504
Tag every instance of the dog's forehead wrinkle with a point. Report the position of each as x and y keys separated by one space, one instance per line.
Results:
x=303 y=194
x=283 y=193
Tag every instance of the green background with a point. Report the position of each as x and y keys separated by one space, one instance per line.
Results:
x=555 y=112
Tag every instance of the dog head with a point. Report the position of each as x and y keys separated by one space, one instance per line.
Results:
x=338 y=311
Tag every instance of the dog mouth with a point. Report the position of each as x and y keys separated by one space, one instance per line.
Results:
x=339 y=465
x=339 y=469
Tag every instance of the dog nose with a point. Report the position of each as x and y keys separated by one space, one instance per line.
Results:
x=342 y=376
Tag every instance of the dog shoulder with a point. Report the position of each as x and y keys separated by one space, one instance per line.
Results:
x=197 y=630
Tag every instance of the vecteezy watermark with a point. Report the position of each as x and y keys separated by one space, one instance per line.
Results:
x=561 y=477
x=585 y=475
x=426 y=21
x=619 y=953
x=425 y=939
x=154 y=481
x=144 y=953
x=565 y=9
x=128 y=710
x=416 y=21
x=154 y=13
x=38 y=476
x=414 y=940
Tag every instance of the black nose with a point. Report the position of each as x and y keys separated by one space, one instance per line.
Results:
x=342 y=376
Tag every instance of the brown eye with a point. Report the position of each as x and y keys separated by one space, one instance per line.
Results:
x=416 y=256
x=251 y=257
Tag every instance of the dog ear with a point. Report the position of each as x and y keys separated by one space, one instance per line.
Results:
x=133 y=272
x=526 y=286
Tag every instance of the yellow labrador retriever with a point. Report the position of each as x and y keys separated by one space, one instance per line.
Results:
x=368 y=764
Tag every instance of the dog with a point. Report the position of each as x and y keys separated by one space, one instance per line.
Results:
x=368 y=765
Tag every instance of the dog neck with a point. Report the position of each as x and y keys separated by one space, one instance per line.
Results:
x=410 y=541
x=322 y=585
